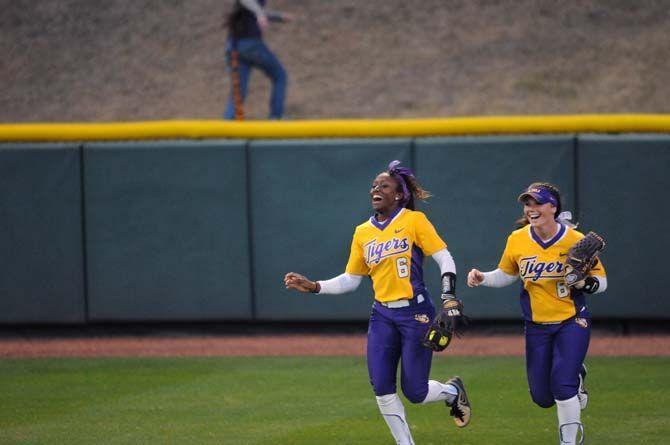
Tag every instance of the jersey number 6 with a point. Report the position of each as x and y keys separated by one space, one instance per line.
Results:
x=402 y=267
x=562 y=290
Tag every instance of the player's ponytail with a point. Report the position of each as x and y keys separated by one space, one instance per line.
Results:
x=416 y=191
x=407 y=185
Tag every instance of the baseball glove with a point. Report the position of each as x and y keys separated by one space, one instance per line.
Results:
x=581 y=259
x=448 y=323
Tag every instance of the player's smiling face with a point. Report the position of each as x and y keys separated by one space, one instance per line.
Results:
x=384 y=192
x=538 y=214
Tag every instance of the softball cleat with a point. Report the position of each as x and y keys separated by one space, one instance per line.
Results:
x=460 y=407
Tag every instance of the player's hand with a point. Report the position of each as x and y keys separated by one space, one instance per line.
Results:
x=475 y=278
x=579 y=284
x=263 y=21
x=299 y=282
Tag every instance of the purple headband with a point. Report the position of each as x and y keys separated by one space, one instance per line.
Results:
x=397 y=172
x=540 y=194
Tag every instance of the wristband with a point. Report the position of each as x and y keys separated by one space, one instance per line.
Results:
x=448 y=285
x=591 y=285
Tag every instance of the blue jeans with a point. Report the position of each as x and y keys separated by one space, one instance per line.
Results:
x=254 y=53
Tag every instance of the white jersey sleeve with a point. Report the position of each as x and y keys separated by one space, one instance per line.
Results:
x=341 y=284
x=498 y=278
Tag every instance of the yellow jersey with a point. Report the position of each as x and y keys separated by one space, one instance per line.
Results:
x=544 y=296
x=392 y=253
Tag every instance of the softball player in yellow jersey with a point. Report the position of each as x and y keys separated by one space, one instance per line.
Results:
x=557 y=320
x=390 y=248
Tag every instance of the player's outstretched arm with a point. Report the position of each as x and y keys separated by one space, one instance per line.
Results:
x=494 y=278
x=341 y=284
x=301 y=283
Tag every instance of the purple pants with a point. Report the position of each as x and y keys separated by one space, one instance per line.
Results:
x=554 y=357
x=395 y=335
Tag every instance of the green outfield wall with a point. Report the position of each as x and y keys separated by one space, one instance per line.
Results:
x=42 y=279
x=166 y=231
x=204 y=230
x=624 y=189
x=475 y=201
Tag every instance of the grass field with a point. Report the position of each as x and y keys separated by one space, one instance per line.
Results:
x=307 y=400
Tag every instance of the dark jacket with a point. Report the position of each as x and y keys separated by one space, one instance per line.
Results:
x=242 y=23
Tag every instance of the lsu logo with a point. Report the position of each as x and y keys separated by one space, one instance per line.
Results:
x=582 y=322
x=374 y=252
x=530 y=268
x=422 y=318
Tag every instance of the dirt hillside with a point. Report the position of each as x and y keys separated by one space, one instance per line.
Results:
x=126 y=60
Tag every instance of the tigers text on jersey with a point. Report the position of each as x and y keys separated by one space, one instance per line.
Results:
x=392 y=253
x=544 y=296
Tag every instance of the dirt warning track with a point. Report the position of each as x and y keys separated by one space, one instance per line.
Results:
x=297 y=344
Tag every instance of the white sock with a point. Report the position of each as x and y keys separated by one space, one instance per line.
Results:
x=569 y=420
x=393 y=411
x=439 y=391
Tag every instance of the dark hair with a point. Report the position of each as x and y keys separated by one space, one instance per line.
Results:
x=555 y=192
x=233 y=20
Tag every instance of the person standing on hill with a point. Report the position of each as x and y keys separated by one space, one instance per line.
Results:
x=390 y=248
x=245 y=49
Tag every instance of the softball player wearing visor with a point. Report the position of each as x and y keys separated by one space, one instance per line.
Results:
x=557 y=319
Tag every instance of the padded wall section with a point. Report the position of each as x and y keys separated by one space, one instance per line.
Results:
x=307 y=197
x=476 y=182
x=41 y=234
x=624 y=186
x=166 y=230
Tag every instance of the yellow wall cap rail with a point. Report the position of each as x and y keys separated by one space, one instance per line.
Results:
x=341 y=128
